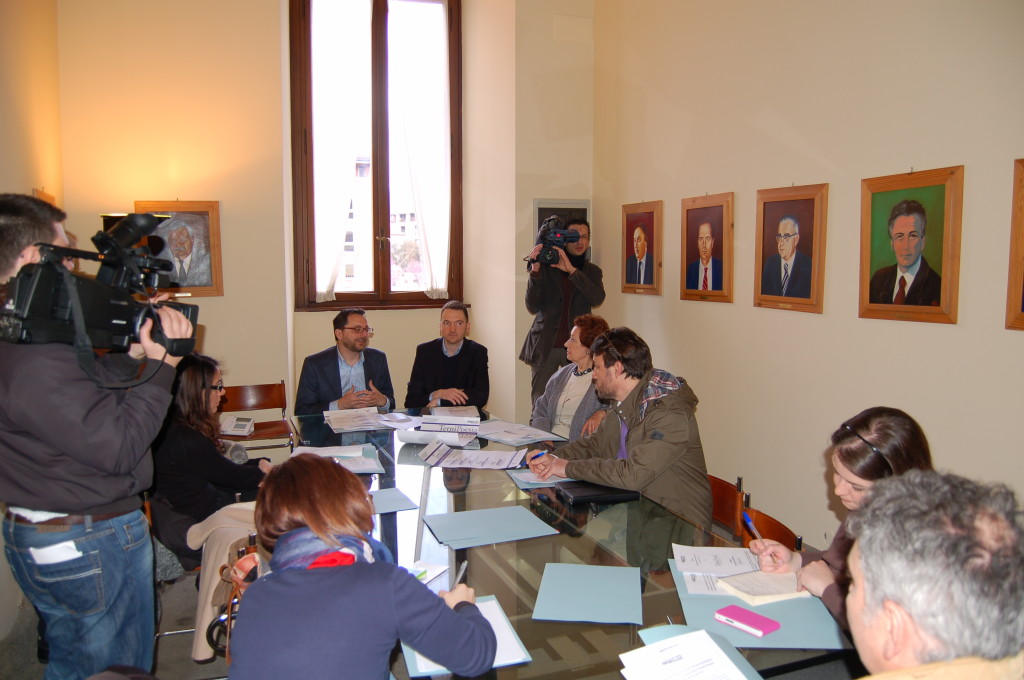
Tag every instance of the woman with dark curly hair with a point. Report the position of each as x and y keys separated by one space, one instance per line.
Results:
x=193 y=475
x=569 y=406
x=876 y=443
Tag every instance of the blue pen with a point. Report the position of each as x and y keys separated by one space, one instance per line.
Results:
x=753 y=530
x=542 y=453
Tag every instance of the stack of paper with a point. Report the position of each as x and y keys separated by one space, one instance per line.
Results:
x=510 y=647
x=354 y=420
x=513 y=434
x=456 y=412
x=240 y=426
x=459 y=424
x=693 y=655
x=761 y=587
x=439 y=454
x=484 y=527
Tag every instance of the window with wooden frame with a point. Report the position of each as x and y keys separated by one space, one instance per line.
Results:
x=376 y=152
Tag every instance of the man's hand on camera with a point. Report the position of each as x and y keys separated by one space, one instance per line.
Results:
x=174 y=325
x=532 y=258
x=563 y=262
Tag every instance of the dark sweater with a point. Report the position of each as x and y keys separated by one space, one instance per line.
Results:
x=343 y=622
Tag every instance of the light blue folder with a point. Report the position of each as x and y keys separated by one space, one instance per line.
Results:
x=806 y=624
x=390 y=500
x=586 y=592
x=483 y=527
x=659 y=633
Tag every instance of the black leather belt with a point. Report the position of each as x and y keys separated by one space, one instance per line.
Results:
x=60 y=521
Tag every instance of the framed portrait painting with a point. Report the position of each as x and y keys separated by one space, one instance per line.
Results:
x=789 y=270
x=910 y=245
x=641 y=248
x=191 y=237
x=1015 y=287
x=706 y=248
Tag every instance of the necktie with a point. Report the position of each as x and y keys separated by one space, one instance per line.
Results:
x=704 y=285
x=785 y=277
x=901 y=293
x=639 y=271
x=623 y=431
x=181 y=269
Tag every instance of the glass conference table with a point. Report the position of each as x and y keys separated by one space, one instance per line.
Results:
x=638 y=534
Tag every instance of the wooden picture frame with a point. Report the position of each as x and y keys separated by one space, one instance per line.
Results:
x=706 y=231
x=902 y=200
x=1015 y=284
x=789 y=267
x=200 y=220
x=641 y=248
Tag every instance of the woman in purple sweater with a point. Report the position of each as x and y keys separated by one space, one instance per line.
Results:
x=335 y=605
x=877 y=442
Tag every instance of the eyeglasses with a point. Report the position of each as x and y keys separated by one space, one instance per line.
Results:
x=449 y=324
x=867 y=443
x=359 y=330
x=219 y=386
x=784 y=237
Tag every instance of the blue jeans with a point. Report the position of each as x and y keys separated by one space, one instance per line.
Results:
x=98 y=605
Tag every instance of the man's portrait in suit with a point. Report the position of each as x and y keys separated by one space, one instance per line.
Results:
x=187 y=245
x=640 y=265
x=911 y=280
x=704 y=272
x=788 y=271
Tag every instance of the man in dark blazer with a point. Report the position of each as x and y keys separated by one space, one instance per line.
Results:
x=450 y=370
x=787 y=273
x=705 y=246
x=642 y=255
x=347 y=375
x=910 y=281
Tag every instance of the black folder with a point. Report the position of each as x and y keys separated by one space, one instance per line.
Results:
x=574 y=493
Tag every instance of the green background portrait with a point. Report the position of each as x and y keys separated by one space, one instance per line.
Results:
x=933 y=199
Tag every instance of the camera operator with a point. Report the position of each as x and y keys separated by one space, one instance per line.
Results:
x=556 y=294
x=74 y=460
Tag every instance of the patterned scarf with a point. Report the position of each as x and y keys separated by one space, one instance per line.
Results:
x=302 y=549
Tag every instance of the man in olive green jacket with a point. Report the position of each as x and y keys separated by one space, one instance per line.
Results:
x=652 y=445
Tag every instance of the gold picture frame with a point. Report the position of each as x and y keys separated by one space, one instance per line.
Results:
x=789 y=267
x=1015 y=284
x=641 y=248
x=900 y=215
x=198 y=272
x=706 y=233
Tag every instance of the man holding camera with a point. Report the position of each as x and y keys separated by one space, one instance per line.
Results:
x=74 y=460
x=555 y=295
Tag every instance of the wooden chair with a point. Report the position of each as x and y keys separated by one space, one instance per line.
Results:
x=727 y=503
x=258 y=398
x=771 y=528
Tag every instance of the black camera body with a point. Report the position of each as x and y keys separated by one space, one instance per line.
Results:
x=554 y=234
x=44 y=299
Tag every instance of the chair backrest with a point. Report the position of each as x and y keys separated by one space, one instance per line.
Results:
x=255 y=398
x=727 y=503
x=771 y=528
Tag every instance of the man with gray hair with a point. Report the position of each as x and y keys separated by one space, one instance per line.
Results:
x=788 y=272
x=937 y=579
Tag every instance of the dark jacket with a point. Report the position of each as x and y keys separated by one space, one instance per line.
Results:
x=320 y=384
x=343 y=622
x=799 y=285
x=68 y=445
x=925 y=290
x=544 y=301
x=666 y=459
x=428 y=373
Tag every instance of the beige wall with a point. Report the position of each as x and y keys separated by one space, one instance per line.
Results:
x=696 y=97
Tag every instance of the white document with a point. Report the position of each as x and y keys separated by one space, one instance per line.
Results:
x=514 y=434
x=360 y=465
x=351 y=451
x=691 y=656
x=354 y=420
x=438 y=454
x=717 y=561
x=56 y=553
x=702 y=584
x=510 y=649
x=456 y=412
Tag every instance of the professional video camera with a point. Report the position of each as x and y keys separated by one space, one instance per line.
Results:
x=553 y=233
x=47 y=303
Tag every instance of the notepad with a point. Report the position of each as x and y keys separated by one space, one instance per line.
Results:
x=510 y=651
x=760 y=587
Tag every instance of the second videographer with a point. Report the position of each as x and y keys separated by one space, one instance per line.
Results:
x=75 y=459
x=556 y=294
